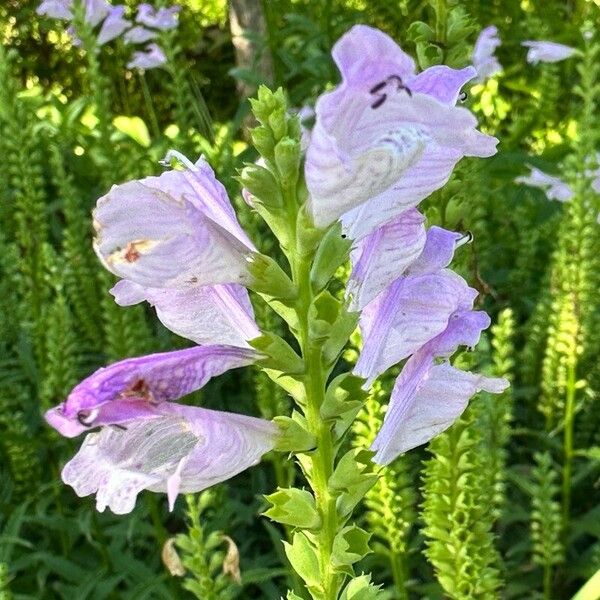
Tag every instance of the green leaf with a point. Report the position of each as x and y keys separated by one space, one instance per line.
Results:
x=361 y=588
x=591 y=589
x=341 y=331
x=294 y=507
x=292 y=385
x=350 y=545
x=303 y=557
x=135 y=128
x=343 y=399
x=269 y=278
x=332 y=252
x=279 y=354
x=352 y=479
x=322 y=315
x=293 y=436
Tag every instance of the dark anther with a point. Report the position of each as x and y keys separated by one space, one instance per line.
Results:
x=118 y=426
x=463 y=96
x=400 y=84
x=379 y=101
x=344 y=236
x=83 y=416
x=378 y=87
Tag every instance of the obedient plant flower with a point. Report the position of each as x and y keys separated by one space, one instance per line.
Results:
x=386 y=135
x=163 y=18
x=147 y=441
x=428 y=397
x=150 y=58
x=139 y=35
x=173 y=231
x=484 y=60
x=548 y=52
x=56 y=9
x=553 y=187
x=414 y=309
x=113 y=26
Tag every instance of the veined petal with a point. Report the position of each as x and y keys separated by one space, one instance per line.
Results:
x=442 y=83
x=176 y=230
x=208 y=314
x=139 y=385
x=151 y=57
x=430 y=173
x=163 y=18
x=412 y=311
x=96 y=11
x=382 y=257
x=437 y=253
x=56 y=9
x=439 y=398
x=180 y=449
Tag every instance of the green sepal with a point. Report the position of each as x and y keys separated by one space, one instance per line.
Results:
x=293 y=436
x=295 y=507
x=308 y=236
x=285 y=309
x=279 y=355
x=302 y=555
x=361 y=588
x=343 y=399
x=269 y=278
x=332 y=252
x=292 y=596
x=352 y=479
x=350 y=545
x=266 y=102
x=264 y=142
x=261 y=183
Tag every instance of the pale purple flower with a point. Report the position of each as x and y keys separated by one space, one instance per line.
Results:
x=548 y=52
x=176 y=231
x=150 y=58
x=553 y=187
x=378 y=259
x=205 y=314
x=171 y=448
x=163 y=18
x=96 y=11
x=139 y=35
x=414 y=309
x=56 y=9
x=134 y=387
x=113 y=26
x=386 y=135
x=484 y=60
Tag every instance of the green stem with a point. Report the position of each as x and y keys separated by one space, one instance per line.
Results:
x=399 y=575
x=568 y=443
x=547 y=582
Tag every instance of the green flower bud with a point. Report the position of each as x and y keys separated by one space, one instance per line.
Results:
x=287 y=159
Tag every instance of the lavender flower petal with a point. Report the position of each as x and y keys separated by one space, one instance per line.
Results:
x=139 y=35
x=137 y=386
x=441 y=397
x=412 y=311
x=373 y=128
x=56 y=9
x=209 y=314
x=150 y=58
x=437 y=252
x=181 y=449
x=381 y=257
x=114 y=25
x=554 y=188
x=177 y=230
x=96 y=11
x=484 y=60
x=163 y=18
x=548 y=52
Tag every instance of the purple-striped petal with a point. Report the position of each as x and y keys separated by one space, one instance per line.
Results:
x=380 y=258
x=163 y=18
x=139 y=385
x=412 y=311
x=179 y=449
x=439 y=397
x=173 y=231
x=56 y=9
x=149 y=58
x=374 y=128
x=208 y=314
x=96 y=11
x=437 y=253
